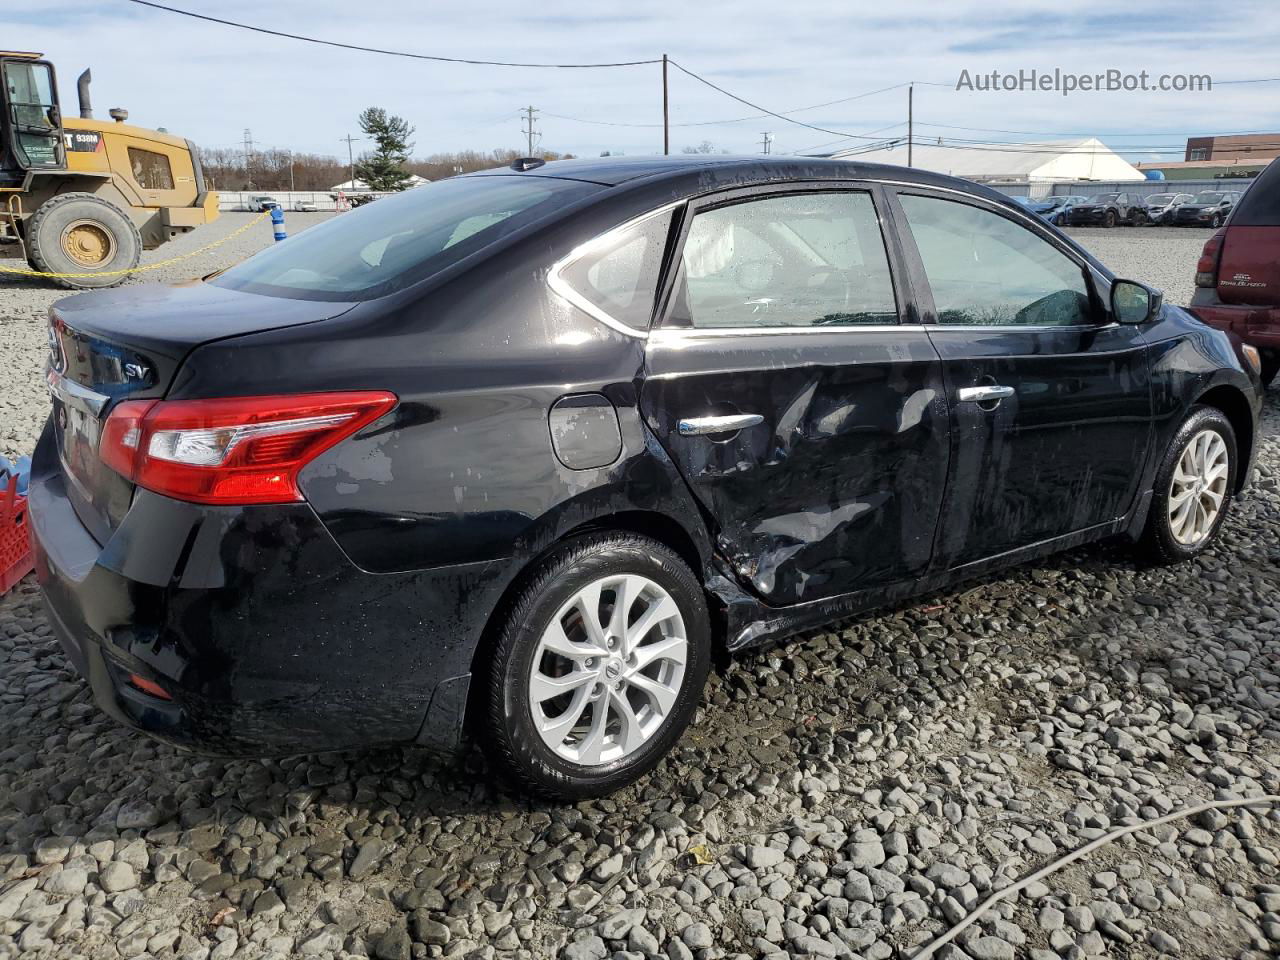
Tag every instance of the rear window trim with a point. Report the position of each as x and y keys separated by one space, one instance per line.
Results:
x=561 y=287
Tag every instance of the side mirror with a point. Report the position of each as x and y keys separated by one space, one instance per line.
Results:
x=1133 y=302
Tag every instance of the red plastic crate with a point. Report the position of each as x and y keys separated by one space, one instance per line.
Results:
x=15 y=546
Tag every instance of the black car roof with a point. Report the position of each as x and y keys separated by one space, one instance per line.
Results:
x=724 y=170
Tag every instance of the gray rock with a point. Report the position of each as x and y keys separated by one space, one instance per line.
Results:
x=697 y=936
x=117 y=876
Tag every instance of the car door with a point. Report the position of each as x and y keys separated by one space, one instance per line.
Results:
x=1049 y=398
x=791 y=385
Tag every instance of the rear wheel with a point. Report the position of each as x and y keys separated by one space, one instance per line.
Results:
x=78 y=234
x=598 y=667
x=1193 y=488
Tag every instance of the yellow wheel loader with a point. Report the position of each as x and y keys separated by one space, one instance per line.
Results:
x=81 y=197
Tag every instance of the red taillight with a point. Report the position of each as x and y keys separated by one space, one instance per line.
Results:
x=1207 y=268
x=149 y=687
x=238 y=450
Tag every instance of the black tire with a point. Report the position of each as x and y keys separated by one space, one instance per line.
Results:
x=1270 y=366
x=1109 y=219
x=1139 y=218
x=55 y=217
x=1215 y=221
x=508 y=732
x=1158 y=544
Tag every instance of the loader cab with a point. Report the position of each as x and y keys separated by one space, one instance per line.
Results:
x=31 y=136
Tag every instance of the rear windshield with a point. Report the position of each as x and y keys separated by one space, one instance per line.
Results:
x=393 y=242
x=1260 y=205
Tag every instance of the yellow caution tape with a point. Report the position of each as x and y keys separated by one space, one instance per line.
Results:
x=142 y=269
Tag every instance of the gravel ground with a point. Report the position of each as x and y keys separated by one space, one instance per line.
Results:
x=848 y=795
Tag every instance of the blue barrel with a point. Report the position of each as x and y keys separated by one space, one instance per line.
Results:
x=1155 y=174
x=277 y=223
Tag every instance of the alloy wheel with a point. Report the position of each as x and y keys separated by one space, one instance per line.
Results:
x=608 y=669
x=1198 y=487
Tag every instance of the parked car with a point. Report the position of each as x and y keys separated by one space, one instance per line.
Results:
x=516 y=452
x=262 y=202
x=1238 y=277
x=1057 y=210
x=1162 y=207
x=1109 y=209
x=1210 y=208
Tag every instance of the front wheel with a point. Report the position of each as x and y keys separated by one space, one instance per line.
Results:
x=598 y=667
x=1193 y=488
x=1215 y=221
x=85 y=240
x=1139 y=219
x=1109 y=219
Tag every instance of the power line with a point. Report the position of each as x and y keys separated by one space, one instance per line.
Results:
x=713 y=123
x=1077 y=133
x=766 y=110
x=389 y=53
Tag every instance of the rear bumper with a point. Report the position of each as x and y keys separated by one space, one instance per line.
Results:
x=1257 y=326
x=269 y=640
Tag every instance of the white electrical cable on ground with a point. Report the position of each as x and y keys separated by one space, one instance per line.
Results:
x=933 y=946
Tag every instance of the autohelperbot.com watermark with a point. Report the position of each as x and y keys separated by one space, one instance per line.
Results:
x=1067 y=83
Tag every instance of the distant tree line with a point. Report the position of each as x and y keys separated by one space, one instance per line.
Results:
x=268 y=170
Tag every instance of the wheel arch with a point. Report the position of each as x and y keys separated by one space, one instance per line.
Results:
x=656 y=525
x=1235 y=407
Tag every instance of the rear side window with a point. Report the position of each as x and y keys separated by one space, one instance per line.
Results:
x=396 y=241
x=986 y=270
x=1260 y=205
x=615 y=277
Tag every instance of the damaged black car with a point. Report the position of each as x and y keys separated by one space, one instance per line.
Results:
x=514 y=454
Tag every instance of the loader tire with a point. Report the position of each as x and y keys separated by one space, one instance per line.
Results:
x=77 y=235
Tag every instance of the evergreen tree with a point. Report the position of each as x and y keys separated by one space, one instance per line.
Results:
x=384 y=168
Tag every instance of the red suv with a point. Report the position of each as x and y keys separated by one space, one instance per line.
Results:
x=1238 y=277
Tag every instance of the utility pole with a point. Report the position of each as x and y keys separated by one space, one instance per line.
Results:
x=766 y=141
x=248 y=149
x=666 y=111
x=527 y=127
x=911 y=89
x=351 y=157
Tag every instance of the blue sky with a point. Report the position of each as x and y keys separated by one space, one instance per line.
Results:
x=210 y=82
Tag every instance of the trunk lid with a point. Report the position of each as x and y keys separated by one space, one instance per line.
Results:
x=109 y=346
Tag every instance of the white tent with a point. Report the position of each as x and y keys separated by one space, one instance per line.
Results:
x=356 y=186
x=1088 y=159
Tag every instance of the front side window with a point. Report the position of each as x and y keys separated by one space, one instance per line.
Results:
x=616 y=275
x=798 y=260
x=402 y=239
x=32 y=113
x=151 y=170
x=986 y=270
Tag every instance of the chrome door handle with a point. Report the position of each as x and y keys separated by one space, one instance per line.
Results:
x=700 y=426
x=983 y=394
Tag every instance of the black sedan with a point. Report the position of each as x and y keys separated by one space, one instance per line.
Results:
x=516 y=452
